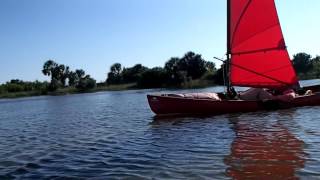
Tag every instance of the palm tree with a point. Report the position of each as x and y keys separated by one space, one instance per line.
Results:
x=58 y=73
x=65 y=75
x=49 y=68
x=80 y=73
x=116 y=68
x=73 y=78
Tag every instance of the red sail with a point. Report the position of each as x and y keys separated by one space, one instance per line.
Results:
x=258 y=52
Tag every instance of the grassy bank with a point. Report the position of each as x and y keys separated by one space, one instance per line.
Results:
x=68 y=90
x=119 y=87
x=20 y=94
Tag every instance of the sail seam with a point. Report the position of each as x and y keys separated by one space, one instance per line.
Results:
x=259 y=74
x=259 y=50
x=265 y=72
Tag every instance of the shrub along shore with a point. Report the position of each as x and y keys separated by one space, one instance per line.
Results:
x=188 y=71
x=98 y=88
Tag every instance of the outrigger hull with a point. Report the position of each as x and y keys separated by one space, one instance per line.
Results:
x=167 y=105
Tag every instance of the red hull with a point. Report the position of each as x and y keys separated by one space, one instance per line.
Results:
x=167 y=105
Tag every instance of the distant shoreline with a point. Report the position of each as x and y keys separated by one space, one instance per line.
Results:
x=193 y=84
x=118 y=87
x=66 y=91
x=189 y=71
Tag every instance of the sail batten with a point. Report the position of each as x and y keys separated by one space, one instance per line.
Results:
x=257 y=46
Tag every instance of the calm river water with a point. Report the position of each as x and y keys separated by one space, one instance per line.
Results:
x=114 y=135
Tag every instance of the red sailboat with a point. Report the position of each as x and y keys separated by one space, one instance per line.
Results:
x=256 y=57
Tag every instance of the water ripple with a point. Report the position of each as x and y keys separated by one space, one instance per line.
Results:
x=113 y=135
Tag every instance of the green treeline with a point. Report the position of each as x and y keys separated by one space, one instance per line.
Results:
x=60 y=73
x=306 y=66
x=17 y=88
x=63 y=80
x=190 y=70
x=177 y=72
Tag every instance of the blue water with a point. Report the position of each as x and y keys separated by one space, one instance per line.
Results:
x=114 y=135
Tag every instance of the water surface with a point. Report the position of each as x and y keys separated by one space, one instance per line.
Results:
x=114 y=135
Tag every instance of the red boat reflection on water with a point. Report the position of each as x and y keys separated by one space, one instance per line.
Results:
x=264 y=151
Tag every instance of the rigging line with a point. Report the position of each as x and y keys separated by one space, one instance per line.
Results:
x=254 y=72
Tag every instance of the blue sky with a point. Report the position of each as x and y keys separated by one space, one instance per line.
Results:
x=93 y=34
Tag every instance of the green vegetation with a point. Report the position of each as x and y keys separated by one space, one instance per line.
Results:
x=189 y=71
x=18 y=88
x=60 y=73
x=177 y=72
x=306 y=66
x=63 y=81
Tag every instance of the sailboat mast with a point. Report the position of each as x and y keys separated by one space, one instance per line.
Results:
x=227 y=65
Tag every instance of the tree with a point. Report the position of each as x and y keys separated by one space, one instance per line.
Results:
x=65 y=75
x=114 y=76
x=152 y=78
x=220 y=75
x=210 y=66
x=49 y=69
x=171 y=66
x=80 y=73
x=316 y=59
x=16 y=85
x=195 y=65
x=132 y=74
x=175 y=75
x=16 y=81
x=116 y=68
x=58 y=72
x=13 y=87
x=2 y=89
x=54 y=84
x=86 y=83
x=73 y=78
x=302 y=62
x=316 y=67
